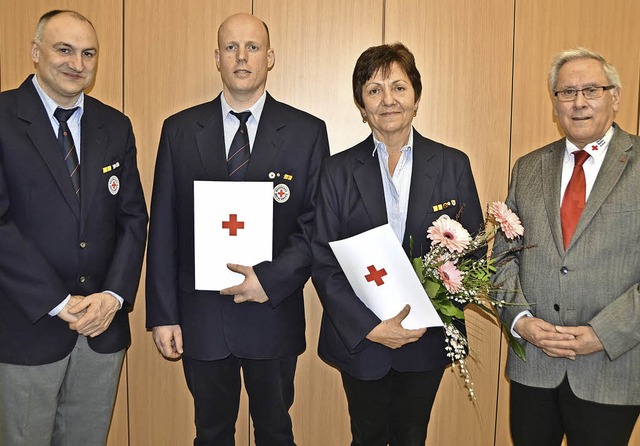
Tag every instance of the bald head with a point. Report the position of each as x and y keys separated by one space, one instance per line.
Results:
x=242 y=18
x=42 y=23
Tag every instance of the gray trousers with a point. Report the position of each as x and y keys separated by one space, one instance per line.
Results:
x=65 y=403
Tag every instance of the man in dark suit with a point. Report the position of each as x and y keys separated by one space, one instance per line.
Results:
x=257 y=326
x=577 y=290
x=71 y=247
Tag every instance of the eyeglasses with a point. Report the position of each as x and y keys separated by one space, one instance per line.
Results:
x=570 y=94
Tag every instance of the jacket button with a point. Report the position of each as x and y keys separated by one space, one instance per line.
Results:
x=564 y=270
x=82 y=279
x=83 y=245
x=556 y=307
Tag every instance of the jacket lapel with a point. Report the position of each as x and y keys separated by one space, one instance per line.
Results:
x=615 y=161
x=426 y=162
x=369 y=182
x=210 y=142
x=269 y=138
x=551 y=174
x=93 y=150
x=31 y=109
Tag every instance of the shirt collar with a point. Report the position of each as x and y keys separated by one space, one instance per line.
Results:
x=596 y=149
x=255 y=109
x=50 y=105
x=380 y=146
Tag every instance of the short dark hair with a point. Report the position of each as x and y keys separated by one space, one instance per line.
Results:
x=37 y=38
x=380 y=58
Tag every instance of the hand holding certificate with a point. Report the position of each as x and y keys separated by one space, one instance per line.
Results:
x=382 y=277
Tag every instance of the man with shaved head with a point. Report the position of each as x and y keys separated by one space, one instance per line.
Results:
x=73 y=226
x=257 y=326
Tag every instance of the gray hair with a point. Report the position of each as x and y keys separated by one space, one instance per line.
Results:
x=582 y=53
x=37 y=37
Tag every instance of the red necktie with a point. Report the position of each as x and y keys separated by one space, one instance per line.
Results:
x=574 y=198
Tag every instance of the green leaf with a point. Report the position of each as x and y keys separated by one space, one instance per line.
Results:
x=418 y=268
x=448 y=309
x=432 y=288
x=518 y=348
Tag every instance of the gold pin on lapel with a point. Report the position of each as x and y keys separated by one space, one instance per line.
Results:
x=445 y=205
x=111 y=167
x=288 y=177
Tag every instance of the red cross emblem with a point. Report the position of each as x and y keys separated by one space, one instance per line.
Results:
x=594 y=147
x=375 y=275
x=233 y=224
x=281 y=193
x=114 y=184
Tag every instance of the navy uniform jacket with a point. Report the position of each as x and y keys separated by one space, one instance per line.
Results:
x=51 y=244
x=288 y=141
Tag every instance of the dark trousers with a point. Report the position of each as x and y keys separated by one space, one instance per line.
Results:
x=541 y=417
x=392 y=410
x=215 y=386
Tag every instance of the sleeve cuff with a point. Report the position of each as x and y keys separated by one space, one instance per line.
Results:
x=117 y=296
x=525 y=313
x=60 y=306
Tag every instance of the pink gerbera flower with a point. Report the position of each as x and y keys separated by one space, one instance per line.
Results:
x=449 y=234
x=509 y=222
x=451 y=276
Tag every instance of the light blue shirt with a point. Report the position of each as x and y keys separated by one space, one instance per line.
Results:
x=396 y=186
x=74 y=126
x=231 y=123
x=74 y=121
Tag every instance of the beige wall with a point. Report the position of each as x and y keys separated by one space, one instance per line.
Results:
x=483 y=65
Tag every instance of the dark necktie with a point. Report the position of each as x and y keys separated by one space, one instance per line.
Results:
x=239 y=153
x=574 y=198
x=65 y=140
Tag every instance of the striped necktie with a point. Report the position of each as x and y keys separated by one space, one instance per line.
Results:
x=68 y=148
x=239 y=152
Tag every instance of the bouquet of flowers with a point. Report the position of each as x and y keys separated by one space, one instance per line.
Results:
x=453 y=277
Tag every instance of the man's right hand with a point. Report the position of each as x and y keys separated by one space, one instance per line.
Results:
x=392 y=334
x=168 y=339
x=537 y=331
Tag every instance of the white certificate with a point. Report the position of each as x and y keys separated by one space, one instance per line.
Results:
x=233 y=223
x=382 y=277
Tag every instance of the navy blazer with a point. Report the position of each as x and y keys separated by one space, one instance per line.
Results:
x=51 y=244
x=288 y=141
x=351 y=201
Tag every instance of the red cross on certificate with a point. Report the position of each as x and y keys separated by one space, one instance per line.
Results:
x=233 y=224
x=375 y=275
